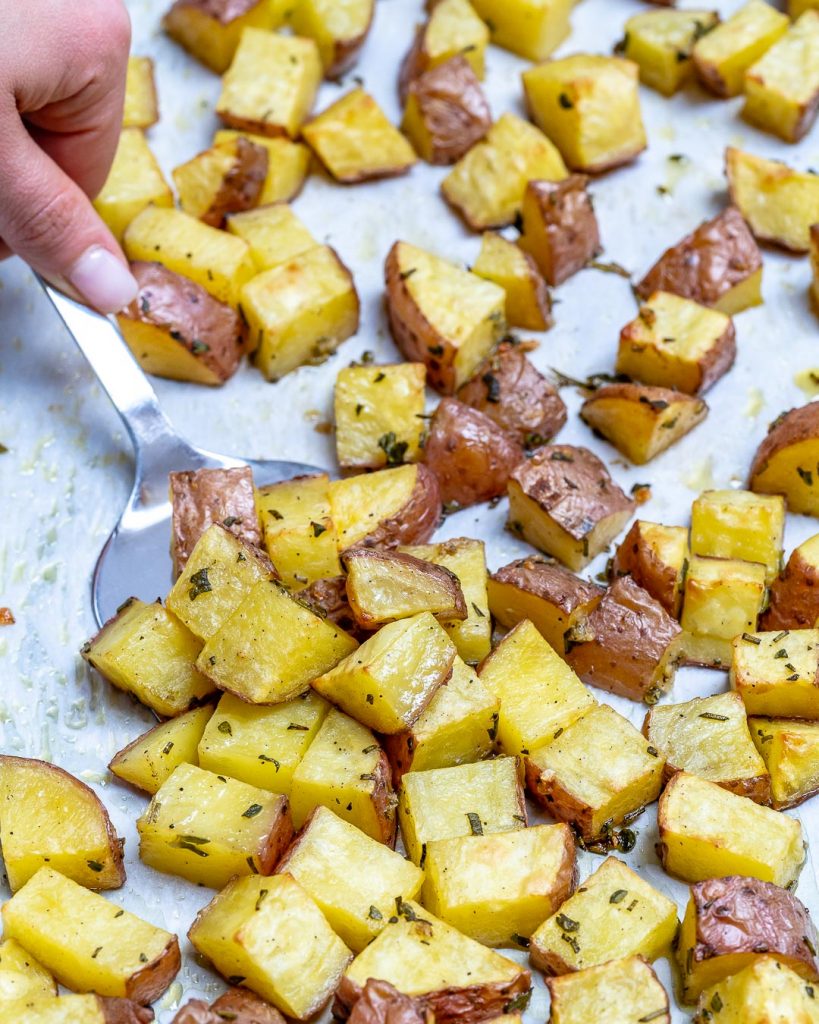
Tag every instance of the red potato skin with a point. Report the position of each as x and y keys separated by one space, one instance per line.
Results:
x=276 y=841
x=792 y=427
x=550 y=581
x=237 y=1005
x=242 y=185
x=794 y=597
x=566 y=211
x=223 y=11
x=382 y=1003
x=636 y=559
x=418 y=519
x=148 y=984
x=453 y=108
x=328 y=599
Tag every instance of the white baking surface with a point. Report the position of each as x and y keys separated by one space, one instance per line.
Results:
x=68 y=470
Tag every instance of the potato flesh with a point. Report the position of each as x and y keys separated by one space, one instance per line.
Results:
x=794 y=595
x=656 y=557
x=661 y=42
x=527 y=298
x=530 y=28
x=791 y=471
x=134 y=182
x=69 y=1009
x=625 y=989
x=723 y=56
x=361 y=503
x=21 y=975
x=790 y=750
x=236 y=166
x=739 y=525
x=274 y=233
x=763 y=673
x=454 y=28
x=765 y=992
x=149 y=760
x=141 y=109
x=638 y=429
x=213 y=41
x=287 y=164
x=382 y=587
x=339 y=28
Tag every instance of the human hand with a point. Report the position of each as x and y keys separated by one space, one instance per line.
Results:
x=62 y=84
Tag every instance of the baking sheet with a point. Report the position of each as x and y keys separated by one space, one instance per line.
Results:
x=68 y=471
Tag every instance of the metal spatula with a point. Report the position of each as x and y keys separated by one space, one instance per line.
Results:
x=136 y=557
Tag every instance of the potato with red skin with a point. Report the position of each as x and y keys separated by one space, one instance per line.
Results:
x=787 y=461
x=328 y=599
x=469 y=453
x=228 y=178
x=210 y=29
x=446 y=112
x=654 y=556
x=238 y=1005
x=794 y=594
x=560 y=228
x=382 y=1003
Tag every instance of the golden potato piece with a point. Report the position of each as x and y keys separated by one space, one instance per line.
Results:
x=796 y=8
x=339 y=28
x=149 y=759
x=211 y=29
x=528 y=303
x=739 y=524
x=790 y=750
x=787 y=460
x=560 y=229
x=452 y=30
x=656 y=558
x=794 y=594
x=141 y=104
x=274 y=233
x=134 y=182
x=661 y=44
x=722 y=57
x=530 y=28
x=227 y=178
x=22 y=977
x=778 y=673
x=759 y=993
x=78 y=1009
x=625 y=989
x=288 y=163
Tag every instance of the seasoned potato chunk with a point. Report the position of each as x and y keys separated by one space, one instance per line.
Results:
x=237 y=1004
x=597 y=773
x=722 y=57
x=614 y=913
x=790 y=750
x=661 y=43
x=272 y=935
x=794 y=595
x=625 y=989
x=527 y=298
x=530 y=28
x=540 y=696
x=287 y=164
x=354 y=880
x=758 y=994
x=78 y=1009
x=778 y=673
x=149 y=759
x=677 y=343
x=708 y=832
x=487 y=185
x=134 y=182
x=564 y=502
x=498 y=888
x=656 y=558
x=299 y=532
x=227 y=178
x=739 y=524
x=589 y=106
x=560 y=229
x=787 y=460
x=271 y=83
x=211 y=29
x=274 y=233
x=469 y=799
x=141 y=104
x=732 y=923
x=89 y=944
x=339 y=29
x=22 y=976
x=379 y=413
x=453 y=29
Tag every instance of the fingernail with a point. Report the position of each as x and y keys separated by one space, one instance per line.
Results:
x=104 y=281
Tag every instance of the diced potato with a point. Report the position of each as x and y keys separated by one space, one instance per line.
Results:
x=89 y=944
x=453 y=29
x=300 y=311
x=708 y=832
x=442 y=316
x=458 y=726
x=626 y=989
x=288 y=163
x=448 y=974
x=559 y=226
x=486 y=186
x=782 y=87
x=676 y=343
x=794 y=595
x=777 y=674
x=213 y=259
x=469 y=799
x=739 y=524
x=134 y=182
x=540 y=696
x=274 y=233
x=149 y=759
x=786 y=461
x=271 y=83
x=498 y=888
x=145 y=650
x=598 y=773
x=77 y=1009
x=722 y=599
x=589 y=106
x=346 y=771
x=379 y=414
x=758 y=994
x=270 y=934
x=661 y=43
x=614 y=914
x=722 y=57
x=790 y=751
x=796 y=8
x=564 y=502
x=656 y=558
x=141 y=105
x=228 y=178
x=354 y=880
x=21 y=975
x=528 y=303
x=530 y=28
x=211 y=31
x=339 y=29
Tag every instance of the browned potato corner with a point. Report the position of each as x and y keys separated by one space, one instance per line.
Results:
x=379 y=1002
x=560 y=228
x=787 y=461
x=237 y=1005
x=794 y=594
x=228 y=178
x=328 y=599
x=655 y=557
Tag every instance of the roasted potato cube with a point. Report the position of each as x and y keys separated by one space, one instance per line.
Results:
x=498 y=888
x=354 y=880
x=145 y=650
x=78 y=1009
x=722 y=57
x=527 y=298
x=379 y=413
x=782 y=87
x=89 y=944
x=141 y=104
x=467 y=559
x=512 y=392
x=386 y=508
x=213 y=259
x=346 y=771
x=739 y=524
x=642 y=421
x=486 y=186
x=299 y=532
x=219 y=573
x=446 y=973
x=271 y=83
x=614 y=914
x=458 y=726
x=560 y=229
x=452 y=30
x=175 y=329
x=228 y=178
x=442 y=316
x=287 y=164
x=149 y=759
x=564 y=502
x=732 y=923
x=661 y=43
x=134 y=182
x=656 y=558
x=530 y=28
x=708 y=832
x=786 y=461
x=779 y=203
x=272 y=935
x=468 y=799
x=794 y=595
x=545 y=593
x=778 y=673
x=677 y=343
x=757 y=994
x=272 y=647
x=22 y=976
x=445 y=112
x=339 y=29
x=211 y=30
x=540 y=696
x=709 y=737
x=596 y=774
x=626 y=989
x=589 y=106
x=300 y=311
x=722 y=599
x=790 y=750
x=274 y=233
